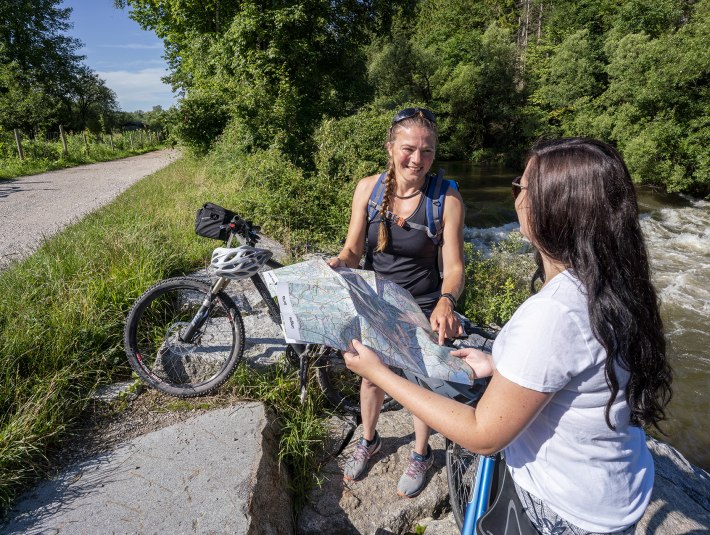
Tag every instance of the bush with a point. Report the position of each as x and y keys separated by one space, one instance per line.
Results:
x=353 y=147
x=496 y=285
x=199 y=120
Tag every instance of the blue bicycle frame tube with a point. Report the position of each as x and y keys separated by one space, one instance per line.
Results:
x=479 y=497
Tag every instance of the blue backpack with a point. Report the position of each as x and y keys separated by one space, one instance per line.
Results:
x=434 y=195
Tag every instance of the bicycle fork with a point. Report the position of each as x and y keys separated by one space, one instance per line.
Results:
x=188 y=334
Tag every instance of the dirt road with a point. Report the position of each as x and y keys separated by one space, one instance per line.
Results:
x=37 y=206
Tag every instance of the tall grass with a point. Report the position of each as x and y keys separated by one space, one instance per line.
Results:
x=62 y=309
x=41 y=154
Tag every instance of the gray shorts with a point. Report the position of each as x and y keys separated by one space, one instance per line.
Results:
x=547 y=522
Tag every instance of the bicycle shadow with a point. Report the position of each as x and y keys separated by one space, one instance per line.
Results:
x=8 y=187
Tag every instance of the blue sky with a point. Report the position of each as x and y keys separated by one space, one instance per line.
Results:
x=126 y=57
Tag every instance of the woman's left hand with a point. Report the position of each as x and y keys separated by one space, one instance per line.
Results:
x=444 y=321
x=362 y=360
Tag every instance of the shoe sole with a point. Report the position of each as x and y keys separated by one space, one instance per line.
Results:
x=403 y=495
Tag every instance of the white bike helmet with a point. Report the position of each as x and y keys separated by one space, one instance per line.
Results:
x=240 y=262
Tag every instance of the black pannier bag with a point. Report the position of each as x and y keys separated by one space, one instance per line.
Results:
x=212 y=221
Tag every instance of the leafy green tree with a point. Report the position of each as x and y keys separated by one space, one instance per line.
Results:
x=92 y=102
x=277 y=68
x=23 y=105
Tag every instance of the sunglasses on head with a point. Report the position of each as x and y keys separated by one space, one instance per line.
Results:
x=408 y=113
x=517 y=187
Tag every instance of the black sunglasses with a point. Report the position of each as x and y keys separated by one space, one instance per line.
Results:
x=517 y=187
x=408 y=113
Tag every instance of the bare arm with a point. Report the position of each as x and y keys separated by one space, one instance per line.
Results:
x=354 y=246
x=442 y=317
x=503 y=412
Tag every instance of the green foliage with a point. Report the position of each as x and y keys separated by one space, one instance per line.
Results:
x=277 y=68
x=47 y=153
x=198 y=121
x=305 y=210
x=496 y=284
x=500 y=74
x=637 y=79
x=353 y=147
x=42 y=81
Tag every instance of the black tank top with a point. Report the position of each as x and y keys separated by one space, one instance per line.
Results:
x=411 y=259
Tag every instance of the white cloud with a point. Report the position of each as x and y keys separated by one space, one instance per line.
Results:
x=139 y=90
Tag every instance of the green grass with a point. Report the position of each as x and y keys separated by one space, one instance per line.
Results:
x=62 y=309
x=47 y=155
x=62 y=315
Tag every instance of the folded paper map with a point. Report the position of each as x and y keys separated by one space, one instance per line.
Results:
x=329 y=306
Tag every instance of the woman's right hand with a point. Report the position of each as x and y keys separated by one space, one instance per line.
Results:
x=481 y=363
x=336 y=262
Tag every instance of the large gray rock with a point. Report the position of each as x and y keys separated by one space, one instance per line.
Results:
x=681 y=495
x=680 y=503
x=371 y=505
x=215 y=473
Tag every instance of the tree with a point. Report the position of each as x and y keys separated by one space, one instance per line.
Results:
x=37 y=58
x=276 y=68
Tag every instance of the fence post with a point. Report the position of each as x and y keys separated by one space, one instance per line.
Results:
x=130 y=138
x=64 y=140
x=86 y=143
x=110 y=138
x=19 y=144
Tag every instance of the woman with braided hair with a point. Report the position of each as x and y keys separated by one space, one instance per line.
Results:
x=400 y=248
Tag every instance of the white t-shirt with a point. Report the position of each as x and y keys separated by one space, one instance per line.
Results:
x=594 y=477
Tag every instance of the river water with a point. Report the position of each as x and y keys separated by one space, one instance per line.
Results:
x=677 y=232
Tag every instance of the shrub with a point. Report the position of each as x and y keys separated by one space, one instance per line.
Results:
x=496 y=285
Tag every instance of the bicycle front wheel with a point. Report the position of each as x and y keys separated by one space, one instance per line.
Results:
x=155 y=347
x=461 y=469
x=341 y=386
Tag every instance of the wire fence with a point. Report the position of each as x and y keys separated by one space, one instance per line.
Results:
x=64 y=145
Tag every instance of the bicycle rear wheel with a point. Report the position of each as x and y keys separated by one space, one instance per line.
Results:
x=461 y=469
x=341 y=386
x=159 y=356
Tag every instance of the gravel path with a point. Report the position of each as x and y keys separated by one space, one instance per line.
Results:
x=37 y=206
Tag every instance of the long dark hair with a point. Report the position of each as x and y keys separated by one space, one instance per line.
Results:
x=584 y=213
x=390 y=179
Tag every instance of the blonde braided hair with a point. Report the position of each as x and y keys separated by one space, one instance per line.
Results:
x=391 y=179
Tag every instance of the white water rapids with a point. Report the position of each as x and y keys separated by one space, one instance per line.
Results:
x=677 y=236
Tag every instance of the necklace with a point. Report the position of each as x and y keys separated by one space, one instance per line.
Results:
x=408 y=196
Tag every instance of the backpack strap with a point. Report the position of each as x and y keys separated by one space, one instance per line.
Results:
x=435 y=197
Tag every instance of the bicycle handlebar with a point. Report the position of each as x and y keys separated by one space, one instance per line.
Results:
x=245 y=229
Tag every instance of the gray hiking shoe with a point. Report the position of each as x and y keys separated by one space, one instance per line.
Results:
x=412 y=481
x=356 y=465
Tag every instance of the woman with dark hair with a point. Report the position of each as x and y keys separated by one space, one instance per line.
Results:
x=580 y=366
x=396 y=226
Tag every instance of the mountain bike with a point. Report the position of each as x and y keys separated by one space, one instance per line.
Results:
x=184 y=336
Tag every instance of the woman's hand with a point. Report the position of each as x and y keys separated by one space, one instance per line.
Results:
x=444 y=321
x=364 y=361
x=481 y=363
x=336 y=262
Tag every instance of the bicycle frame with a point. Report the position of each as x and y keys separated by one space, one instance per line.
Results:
x=480 y=495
